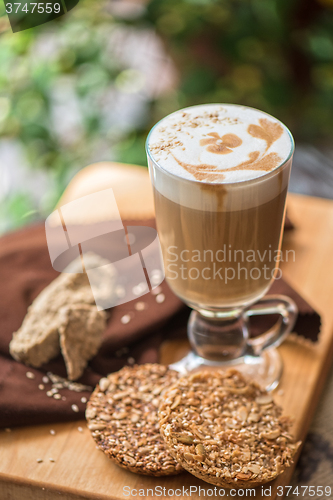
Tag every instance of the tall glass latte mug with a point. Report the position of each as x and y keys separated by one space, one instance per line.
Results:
x=221 y=238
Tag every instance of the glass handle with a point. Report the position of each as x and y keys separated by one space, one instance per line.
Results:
x=273 y=304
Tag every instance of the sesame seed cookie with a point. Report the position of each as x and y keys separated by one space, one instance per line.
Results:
x=226 y=430
x=122 y=415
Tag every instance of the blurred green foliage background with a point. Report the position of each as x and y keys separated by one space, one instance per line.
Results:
x=275 y=55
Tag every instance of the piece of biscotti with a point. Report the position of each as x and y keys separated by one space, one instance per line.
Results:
x=37 y=340
x=81 y=331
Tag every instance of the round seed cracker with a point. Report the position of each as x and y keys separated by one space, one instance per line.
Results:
x=122 y=415
x=226 y=430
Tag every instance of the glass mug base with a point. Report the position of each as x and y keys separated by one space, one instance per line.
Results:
x=266 y=369
x=226 y=343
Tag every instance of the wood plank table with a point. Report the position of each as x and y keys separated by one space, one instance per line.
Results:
x=80 y=471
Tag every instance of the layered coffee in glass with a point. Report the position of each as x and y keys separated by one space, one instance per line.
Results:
x=220 y=176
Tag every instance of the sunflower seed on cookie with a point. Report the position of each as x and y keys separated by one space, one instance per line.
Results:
x=122 y=416
x=226 y=430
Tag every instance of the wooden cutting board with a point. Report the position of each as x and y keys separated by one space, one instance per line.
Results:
x=80 y=471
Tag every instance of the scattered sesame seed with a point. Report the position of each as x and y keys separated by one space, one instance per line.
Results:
x=156 y=277
x=63 y=398
x=80 y=429
x=140 y=288
x=52 y=431
x=83 y=400
x=62 y=383
x=41 y=387
x=54 y=390
x=280 y=392
x=131 y=238
x=160 y=298
x=140 y=306
x=39 y=460
x=57 y=396
x=51 y=459
x=45 y=379
x=30 y=375
x=49 y=394
x=125 y=319
x=156 y=290
x=75 y=408
x=120 y=291
x=130 y=360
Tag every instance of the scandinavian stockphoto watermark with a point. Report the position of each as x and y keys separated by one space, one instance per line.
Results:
x=226 y=263
x=215 y=492
x=186 y=491
x=122 y=262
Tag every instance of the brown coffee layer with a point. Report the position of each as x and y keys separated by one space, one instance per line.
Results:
x=218 y=258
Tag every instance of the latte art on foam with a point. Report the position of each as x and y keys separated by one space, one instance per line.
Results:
x=219 y=143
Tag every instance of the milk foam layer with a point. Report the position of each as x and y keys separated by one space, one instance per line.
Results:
x=219 y=143
x=174 y=145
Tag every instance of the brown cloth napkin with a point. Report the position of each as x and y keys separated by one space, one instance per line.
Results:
x=25 y=269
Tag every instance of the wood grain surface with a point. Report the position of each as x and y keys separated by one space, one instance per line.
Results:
x=80 y=471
